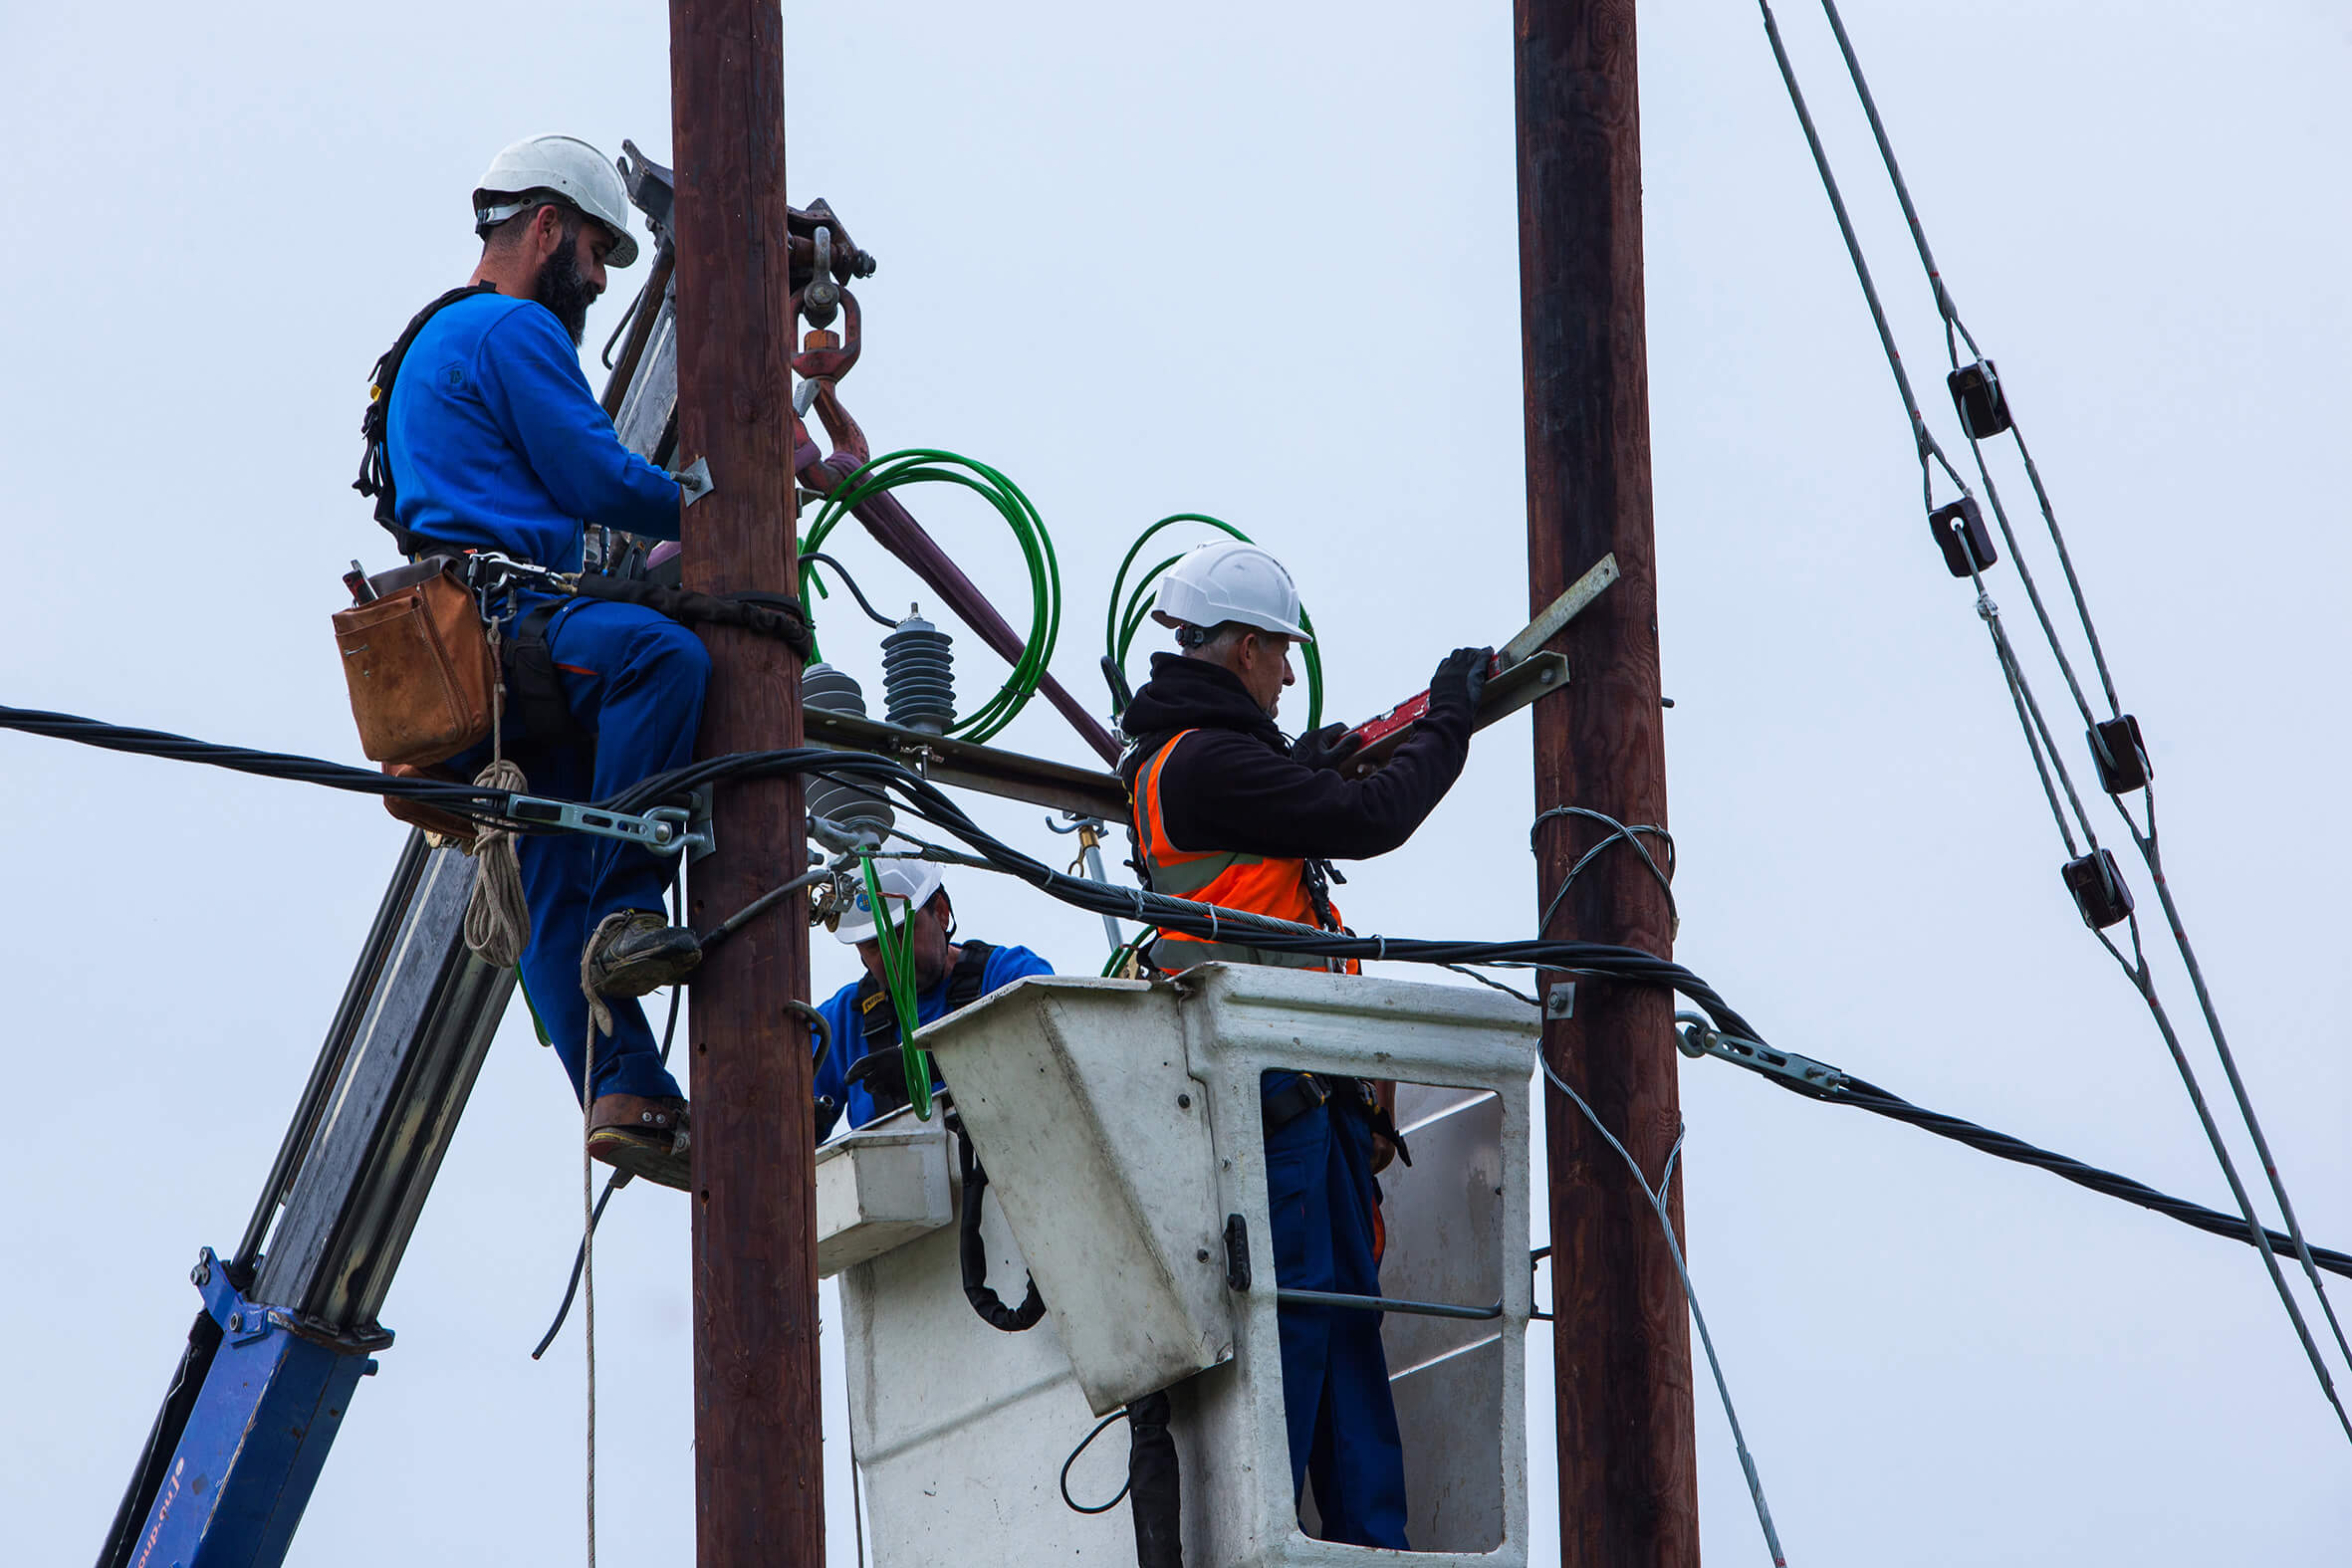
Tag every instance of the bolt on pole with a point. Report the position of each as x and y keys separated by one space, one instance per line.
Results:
x=1628 y=1484
x=758 y=1459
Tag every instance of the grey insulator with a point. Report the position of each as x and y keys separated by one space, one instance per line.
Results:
x=838 y=691
x=918 y=677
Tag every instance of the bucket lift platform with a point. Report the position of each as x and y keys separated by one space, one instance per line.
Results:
x=1119 y=1124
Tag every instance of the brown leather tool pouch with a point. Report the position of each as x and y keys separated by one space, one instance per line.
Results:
x=417 y=813
x=418 y=665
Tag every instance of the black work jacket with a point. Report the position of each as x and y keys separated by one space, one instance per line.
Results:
x=1233 y=785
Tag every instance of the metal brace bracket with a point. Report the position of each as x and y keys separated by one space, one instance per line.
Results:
x=667 y=829
x=1700 y=1038
x=245 y=1323
x=702 y=839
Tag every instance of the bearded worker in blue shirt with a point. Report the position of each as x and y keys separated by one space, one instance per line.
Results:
x=494 y=442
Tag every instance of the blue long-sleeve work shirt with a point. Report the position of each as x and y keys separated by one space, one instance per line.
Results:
x=496 y=442
x=1005 y=966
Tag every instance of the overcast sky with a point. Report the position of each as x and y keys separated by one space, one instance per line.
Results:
x=1260 y=261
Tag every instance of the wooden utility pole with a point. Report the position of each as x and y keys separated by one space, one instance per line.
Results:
x=759 y=1500
x=1628 y=1486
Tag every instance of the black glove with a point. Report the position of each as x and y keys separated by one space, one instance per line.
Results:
x=1459 y=680
x=1327 y=747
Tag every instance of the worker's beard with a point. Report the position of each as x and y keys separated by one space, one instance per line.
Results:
x=562 y=290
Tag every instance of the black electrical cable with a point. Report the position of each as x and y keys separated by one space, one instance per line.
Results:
x=1868 y=1097
x=758 y=907
x=636 y=304
x=466 y=799
x=811 y=556
x=618 y=1179
x=1845 y=1089
x=1086 y=1443
x=972 y=1251
x=612 y=1183
x=928 y=801
x=934 y=805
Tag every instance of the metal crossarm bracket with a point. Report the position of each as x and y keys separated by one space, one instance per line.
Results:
x=1700 y=1038
x=667 y=829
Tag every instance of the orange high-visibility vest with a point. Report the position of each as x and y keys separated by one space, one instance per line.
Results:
x=1257 y=884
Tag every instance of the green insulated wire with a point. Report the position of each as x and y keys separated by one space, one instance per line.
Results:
x=1125 y=951
x=898 y=976
x=926 y=465
x=1120 y=621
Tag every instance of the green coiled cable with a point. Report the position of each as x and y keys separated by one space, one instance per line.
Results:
x=927 y=465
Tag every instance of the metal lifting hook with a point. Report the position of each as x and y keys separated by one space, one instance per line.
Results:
x=1090 y=831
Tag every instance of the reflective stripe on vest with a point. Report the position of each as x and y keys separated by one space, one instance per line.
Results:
x=1256 y=885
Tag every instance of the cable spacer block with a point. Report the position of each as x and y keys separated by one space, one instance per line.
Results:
x=2098 y=889
x=1960 y=534
x=1976 y=394
x=2121 y=756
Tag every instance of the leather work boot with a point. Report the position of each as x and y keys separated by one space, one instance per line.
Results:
x=643 y=1137
x=636 y=955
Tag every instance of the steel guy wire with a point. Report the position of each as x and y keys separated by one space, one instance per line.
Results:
x=1657 y=1200
x=1948 y=310
x=2152 y=854
x=2043 y=747
x=1923 y=438
x=2136 y=968
x=2043 y=744
x=1493 y=984
x=1619 y=832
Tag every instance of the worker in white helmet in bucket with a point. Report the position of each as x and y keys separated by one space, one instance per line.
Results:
x=1228 y=811
x=862 y=1075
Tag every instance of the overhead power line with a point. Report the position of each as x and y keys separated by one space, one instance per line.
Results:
x=1986 y=411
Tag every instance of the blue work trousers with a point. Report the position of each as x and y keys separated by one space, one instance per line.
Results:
x=1343 y=1419
x=634 y=680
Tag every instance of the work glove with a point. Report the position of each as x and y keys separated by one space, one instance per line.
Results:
x=1327 y=747
x=1459 y=679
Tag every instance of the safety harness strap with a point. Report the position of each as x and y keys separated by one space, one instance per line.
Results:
x=533 y=686
x=375 y=462
x=878 y=1068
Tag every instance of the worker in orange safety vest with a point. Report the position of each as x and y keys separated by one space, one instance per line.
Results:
x=1228 y=811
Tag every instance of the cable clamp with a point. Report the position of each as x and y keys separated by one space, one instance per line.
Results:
x=667 y=829
x=1701 y=1038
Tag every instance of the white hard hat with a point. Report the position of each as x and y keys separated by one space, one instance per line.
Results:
x=907 y=885
x=1232 y=581
x=572 y=170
